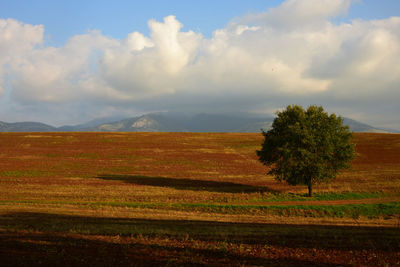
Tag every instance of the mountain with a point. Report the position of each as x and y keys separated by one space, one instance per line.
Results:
x=227 y=123
x=26 y=127
x=167 y=122
x=175 y=122
x=86 y=126
x=357 y=126
x=145 y=123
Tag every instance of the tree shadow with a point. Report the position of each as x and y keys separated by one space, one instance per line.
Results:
x=32 y=239
x=186 y=184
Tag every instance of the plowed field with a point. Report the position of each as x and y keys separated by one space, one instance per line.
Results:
x=189 y=198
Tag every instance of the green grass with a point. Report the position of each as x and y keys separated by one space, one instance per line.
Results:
x=348 y=195
x=277 y=197
x=384 y=210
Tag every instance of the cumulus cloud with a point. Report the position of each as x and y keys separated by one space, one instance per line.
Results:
x=299 y=13
x=16 y=41
x=140 y=67
x=363 y=61
x=288 y=54
x=52 y=74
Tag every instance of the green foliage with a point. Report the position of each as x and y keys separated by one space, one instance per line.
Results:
x=306 y=146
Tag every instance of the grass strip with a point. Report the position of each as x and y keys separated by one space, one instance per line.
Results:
x=376 y=210
x=273 y=197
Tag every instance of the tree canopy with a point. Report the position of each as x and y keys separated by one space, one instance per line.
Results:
x=306 y=146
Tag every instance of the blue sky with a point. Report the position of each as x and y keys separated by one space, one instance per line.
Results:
x=63 y=19
x=67 y=62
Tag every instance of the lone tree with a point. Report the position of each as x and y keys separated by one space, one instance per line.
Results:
x=306 y=146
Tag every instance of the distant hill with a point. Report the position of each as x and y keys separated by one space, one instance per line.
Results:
x=226 y=123
x=26 y=127
x=174 y=122
x=356 y=126
x=145 y=123
x=88 y=125
x=180 y=123
x=166 y=122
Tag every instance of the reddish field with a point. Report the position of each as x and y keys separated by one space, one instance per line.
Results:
x=158 y=198
x=89 y=158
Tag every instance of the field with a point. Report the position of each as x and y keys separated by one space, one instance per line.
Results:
x=102 y=199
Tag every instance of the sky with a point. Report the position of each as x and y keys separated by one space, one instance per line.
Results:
x=67 y=62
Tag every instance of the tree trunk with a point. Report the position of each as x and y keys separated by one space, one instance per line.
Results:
x=310 y=189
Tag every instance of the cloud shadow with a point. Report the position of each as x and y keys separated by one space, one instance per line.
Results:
x=29 y=239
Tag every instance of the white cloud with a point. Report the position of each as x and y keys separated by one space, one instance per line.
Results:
x=174 y=48
x=288 y=54
x=16 y=40
x=299 y=13
x=154 y=69
x=52 y=74
x=363 y=61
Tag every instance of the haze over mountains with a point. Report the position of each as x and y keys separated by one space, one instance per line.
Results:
x=169 y=122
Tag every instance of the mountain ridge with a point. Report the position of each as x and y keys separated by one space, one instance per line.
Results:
x=168 y=122
x=26 y=126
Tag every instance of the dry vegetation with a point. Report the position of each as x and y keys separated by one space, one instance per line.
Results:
x=189 y=198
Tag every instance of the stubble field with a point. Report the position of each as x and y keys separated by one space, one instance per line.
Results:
x=189 y=198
